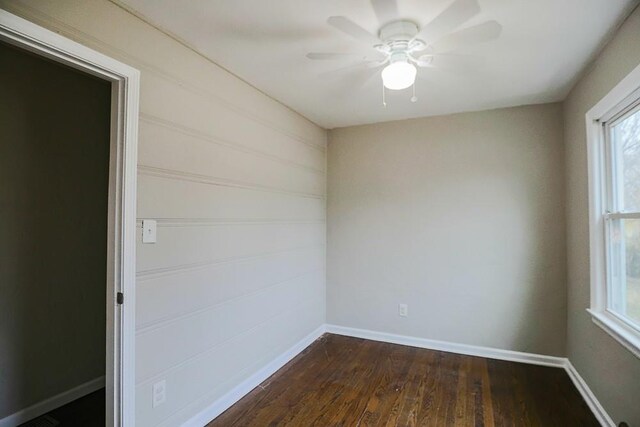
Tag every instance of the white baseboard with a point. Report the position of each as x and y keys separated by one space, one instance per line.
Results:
x=52 y=403
x=470 y=350
x=235 y=394
x=488 y=352
x=588 y=396
x=239 y=391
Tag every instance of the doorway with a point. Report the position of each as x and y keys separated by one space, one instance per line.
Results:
x=68 y=137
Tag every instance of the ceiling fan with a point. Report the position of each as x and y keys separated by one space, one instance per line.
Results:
x=402 y=45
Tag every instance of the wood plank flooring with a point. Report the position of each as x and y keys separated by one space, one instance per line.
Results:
x=343 y=381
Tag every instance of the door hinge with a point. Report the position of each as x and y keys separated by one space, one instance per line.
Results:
x=120 y=298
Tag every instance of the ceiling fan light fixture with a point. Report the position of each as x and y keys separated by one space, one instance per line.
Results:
x=399 y=75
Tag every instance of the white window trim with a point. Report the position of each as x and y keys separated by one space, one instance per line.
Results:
x=613 y=103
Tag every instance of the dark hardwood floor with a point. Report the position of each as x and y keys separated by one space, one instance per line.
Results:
x=342 y=381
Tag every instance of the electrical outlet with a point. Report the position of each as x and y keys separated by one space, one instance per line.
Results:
x=159 y=393
x=403 y=310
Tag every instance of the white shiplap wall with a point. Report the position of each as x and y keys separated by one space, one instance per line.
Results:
x=237 y=184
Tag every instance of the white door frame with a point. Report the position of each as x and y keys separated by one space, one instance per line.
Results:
x=121 y=276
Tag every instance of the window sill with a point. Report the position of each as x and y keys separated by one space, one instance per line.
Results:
x=620 y=331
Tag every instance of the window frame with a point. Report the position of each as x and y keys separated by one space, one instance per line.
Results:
x=621 y=101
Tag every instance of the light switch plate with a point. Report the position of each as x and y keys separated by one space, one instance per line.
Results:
x=149 y=227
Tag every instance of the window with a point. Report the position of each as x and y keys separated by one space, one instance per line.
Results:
x=623 y=216
x=613 y=127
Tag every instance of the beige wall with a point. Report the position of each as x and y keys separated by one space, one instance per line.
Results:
x=237 y=183
x=462 y=218
x=612 y=372
x=54 y=158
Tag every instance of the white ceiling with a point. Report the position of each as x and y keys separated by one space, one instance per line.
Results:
x=543 y=47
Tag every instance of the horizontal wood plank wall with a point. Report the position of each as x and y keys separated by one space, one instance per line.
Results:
x=237 y=184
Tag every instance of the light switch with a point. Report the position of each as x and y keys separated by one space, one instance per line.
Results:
x=149 y=231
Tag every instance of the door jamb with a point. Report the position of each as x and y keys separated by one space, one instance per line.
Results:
x=121 y=246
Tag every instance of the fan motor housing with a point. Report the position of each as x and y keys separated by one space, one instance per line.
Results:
x=399 y=36
x=398 y=31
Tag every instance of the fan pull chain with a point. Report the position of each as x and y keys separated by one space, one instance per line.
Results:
x=414 y=98
x=384 y=102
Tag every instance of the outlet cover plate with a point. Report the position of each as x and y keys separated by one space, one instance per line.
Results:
x=403 y=310
x=159 y=393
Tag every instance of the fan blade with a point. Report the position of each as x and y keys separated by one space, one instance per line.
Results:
x=425 y=61
x=340 y=71
x=450 y=62
x=352 y=29
x=369 y=65
x=459 y=12
x=477 y=34
x=349 y=80
x=342 y=56
x=385 y=10
x=365 y=77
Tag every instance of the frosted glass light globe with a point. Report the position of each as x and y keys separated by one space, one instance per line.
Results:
x=399 y=75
